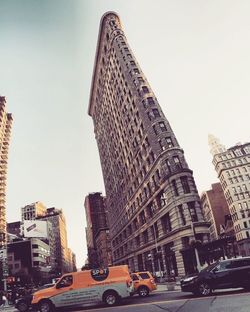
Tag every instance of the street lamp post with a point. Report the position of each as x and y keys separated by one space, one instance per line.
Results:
x=3 y=258
x=195 y=249
x=157 y=253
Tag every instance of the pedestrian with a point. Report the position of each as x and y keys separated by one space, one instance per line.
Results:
x=4 y=301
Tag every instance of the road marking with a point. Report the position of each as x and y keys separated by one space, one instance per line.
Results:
x=162 y=301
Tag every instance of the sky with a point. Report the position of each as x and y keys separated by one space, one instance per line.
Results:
x=194 y=53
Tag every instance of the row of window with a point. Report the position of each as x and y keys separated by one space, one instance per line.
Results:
x=161 y=200
x=240 y=189
x=236 y=162
x=146 y=236
x=239 y=179
x=147 y=214
x=235 y=153
x=237 y=171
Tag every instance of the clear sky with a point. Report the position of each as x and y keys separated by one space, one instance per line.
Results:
x=195 y=54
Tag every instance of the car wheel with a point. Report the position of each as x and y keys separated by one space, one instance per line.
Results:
x=110 y=298
x=22 y=306
x=143 y=291
x=45 y=306
x=204 y=289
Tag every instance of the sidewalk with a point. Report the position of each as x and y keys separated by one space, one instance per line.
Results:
x=9 y=309
x=163 y=287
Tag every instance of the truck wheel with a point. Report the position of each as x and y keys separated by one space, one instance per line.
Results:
x=110 y=298
x=143 y=291
x=46 y=306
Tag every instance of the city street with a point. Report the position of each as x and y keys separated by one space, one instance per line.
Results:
x=226 y=301
x=177 y=301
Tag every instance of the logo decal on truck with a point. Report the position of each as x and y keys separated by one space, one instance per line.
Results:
x=99 y=274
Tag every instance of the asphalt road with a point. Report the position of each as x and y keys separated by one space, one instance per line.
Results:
x=220 y=301
x=177 y=301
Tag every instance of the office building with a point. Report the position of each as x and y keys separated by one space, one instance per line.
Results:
x=216 y=212
x=60 y=250
x=29 y=260
x=97 y=231
x=32 y=211
x=154 y=210
x=233 y=168
x=103 y=249
x=14 y=228
x=5 y=130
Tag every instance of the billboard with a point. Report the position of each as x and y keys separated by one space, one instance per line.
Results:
x=35 y=228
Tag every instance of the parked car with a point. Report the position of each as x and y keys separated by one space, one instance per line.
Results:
x=233 y=273
x=23 y=304
x=144 y=283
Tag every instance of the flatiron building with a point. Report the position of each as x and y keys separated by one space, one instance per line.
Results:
x=154 y=209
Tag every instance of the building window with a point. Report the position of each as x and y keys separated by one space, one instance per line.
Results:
x=161 y=200
x=181 y=212
x=136 y=71
x=136 y=224
x=176 y=193
x=155 y=112
x=177 y=162
x=150 y=101
x=150 y=211
x=145 y=89
x=155 y=230
x=142 y=218
x=168 y=165
x=192 y=211
x=169 y=142
x=185 y=185
x=129 y=229
x=166 y=223
x=149 y=115
x=145 y=236
x=162 y=146
x=162 y=126
x=137 y=240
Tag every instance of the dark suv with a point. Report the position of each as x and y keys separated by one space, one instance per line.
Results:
x=233 y=273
